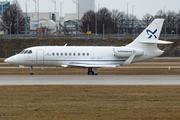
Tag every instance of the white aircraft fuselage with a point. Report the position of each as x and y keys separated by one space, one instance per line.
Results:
x=64 y=56
x=142 y=48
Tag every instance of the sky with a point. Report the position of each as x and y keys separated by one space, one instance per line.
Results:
x=141 y=7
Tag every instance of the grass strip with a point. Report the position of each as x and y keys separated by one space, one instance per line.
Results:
x=89 y=102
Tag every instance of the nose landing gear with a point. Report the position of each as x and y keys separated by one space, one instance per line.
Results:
x=31 y=69
x=92 y=71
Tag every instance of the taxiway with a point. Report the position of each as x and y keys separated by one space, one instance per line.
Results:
x=8 y=80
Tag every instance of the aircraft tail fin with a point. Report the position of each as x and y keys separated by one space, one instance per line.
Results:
x=150 y=35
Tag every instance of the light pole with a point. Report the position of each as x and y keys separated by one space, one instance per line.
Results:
x=96 y=19
x=88 y=31
x=77 y=11
x=118 y=30
x=176 y=30
x=26 y=19
x=132 y=20
x=17 y=22
x=98 y=6
x=10 y=29
x=72 y=28
x=133 y=10
x=103 y=31
x=35 y=4
x=54 y=5
x=55 y=15
x=38 y=16
x=165 y=21
x=60 y=15
x=164 y=10
x=76 y=2
x=127 y=19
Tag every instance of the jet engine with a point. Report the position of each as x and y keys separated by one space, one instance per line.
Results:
x=127 y=52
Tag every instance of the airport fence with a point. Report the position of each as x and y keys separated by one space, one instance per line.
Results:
x=168 y=53
x=163 y=36
x=8 y=53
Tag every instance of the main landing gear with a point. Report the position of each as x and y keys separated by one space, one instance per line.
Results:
x=31 y=68
x=92 y=71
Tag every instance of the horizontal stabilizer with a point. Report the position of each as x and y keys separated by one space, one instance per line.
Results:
x=156 y=42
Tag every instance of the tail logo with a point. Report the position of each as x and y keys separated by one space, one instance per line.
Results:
x=151 y=34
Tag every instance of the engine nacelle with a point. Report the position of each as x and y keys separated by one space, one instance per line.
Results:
x=127 y=52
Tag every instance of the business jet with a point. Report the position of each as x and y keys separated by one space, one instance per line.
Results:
x=144 y=47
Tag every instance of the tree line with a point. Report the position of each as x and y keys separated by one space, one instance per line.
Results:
x=115 y=19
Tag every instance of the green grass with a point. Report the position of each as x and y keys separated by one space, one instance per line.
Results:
x=89 y=102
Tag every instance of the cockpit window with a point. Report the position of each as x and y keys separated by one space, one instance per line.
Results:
x=22 y=52
x=30 y=52
x=25 y=51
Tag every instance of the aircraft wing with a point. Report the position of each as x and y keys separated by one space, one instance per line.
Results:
x=92 y=65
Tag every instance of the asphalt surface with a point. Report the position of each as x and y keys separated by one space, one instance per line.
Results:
x=8 y=80
x=120 y=67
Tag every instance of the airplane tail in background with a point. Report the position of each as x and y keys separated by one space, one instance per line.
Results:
x=149 y=36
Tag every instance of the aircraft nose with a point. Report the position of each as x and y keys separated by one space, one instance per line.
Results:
x=12 y=60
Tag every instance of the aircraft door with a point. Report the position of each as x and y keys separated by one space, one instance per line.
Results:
x=40 y=57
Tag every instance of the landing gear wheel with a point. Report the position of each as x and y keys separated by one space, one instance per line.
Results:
x=31 y=73
x=92 y=72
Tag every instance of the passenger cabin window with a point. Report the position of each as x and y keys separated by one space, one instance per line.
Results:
x=69 y=54
x=79 y=54
x=74 y=54
x=57 y=54
x=30 y=52
x=65 y=54
x=53 y=54
x=61 y=54
x=83 y=54
x=87 y=54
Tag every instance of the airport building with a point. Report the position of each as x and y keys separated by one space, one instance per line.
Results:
x=73 y=16
x=82 y=6
x=45 y=19
x=52 y=20
x=86 y=5
x=3 y=6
